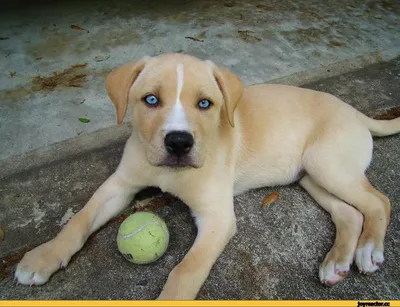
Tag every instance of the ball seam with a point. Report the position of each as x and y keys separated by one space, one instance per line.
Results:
x=129 y=235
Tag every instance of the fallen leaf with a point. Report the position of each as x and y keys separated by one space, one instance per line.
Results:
x=102 y=57
x=12 y=74
x=84 y=120
x=245 y=32
x=335 y=44
x=38 y=58
x=78 y=102
x=75 y=27
x=1 y=234
x=4 y=38
x=389 y=114
x=315 y=15
x=271 y=198
x=247 y=36
x=194 y=39
x=198 y=38
x=202 y=35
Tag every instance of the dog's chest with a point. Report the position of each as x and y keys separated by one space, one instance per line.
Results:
x=170 y=181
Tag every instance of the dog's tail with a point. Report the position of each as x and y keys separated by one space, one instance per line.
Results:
x=380 y=127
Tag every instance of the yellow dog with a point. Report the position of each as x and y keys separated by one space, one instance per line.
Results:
x=199 y=134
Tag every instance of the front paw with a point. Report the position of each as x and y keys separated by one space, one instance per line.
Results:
x=39 y=264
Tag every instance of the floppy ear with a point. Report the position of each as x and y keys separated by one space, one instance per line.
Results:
x=232 y=89
x=119 y=82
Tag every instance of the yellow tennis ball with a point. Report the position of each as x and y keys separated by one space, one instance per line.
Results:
x=143 y=237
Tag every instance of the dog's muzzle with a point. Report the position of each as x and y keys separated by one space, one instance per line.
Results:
x=178 y=145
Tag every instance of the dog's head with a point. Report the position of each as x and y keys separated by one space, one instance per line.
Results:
x=178 y=105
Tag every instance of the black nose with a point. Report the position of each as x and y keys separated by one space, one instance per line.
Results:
x=178 y=142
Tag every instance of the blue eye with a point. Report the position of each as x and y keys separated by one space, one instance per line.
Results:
x=204 y=104
x=151 y=100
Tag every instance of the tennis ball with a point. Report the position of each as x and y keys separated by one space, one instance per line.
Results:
x=143 y=237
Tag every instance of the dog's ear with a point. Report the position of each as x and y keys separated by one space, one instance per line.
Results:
x=119 y=82
x=231 y=87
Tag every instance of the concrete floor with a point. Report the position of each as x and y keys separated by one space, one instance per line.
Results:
x=53 y=74
x=274 y=255
x=56 y=54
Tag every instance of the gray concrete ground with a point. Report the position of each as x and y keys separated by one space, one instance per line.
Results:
x=54 y=58
x=274 y=255
x=54 y=55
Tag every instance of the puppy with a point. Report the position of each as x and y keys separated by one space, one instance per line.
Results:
x=199 y=134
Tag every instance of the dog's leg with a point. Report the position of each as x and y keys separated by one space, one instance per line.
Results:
x=376 y=210
x=369 y=254
x=216 y=225
x=40 y=263
x=336 y=161
x=358 y=192
x=348 y=222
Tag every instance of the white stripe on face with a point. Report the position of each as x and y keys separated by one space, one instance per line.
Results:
x=176 y=120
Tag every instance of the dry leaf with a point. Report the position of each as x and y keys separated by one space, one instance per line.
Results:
x=315 y=15
x=271 y=198
x=194 y=38
x=198 y=38
x=101 y=57
x=78 y=102
x=335 y=44
x=1 y=234
x=75 y=27
x=389 y=114
x=248 y=36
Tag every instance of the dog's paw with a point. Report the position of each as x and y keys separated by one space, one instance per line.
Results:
x=39 y=264
x=331 y=272
x=336 y=265
x=369 y=258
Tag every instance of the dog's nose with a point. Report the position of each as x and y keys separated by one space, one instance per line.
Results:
x=178 y=142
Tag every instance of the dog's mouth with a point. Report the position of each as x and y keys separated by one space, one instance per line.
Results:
x=173 y=161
